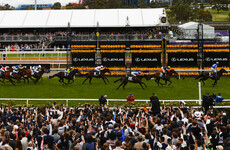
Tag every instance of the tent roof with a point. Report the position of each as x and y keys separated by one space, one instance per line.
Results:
x=194 y=25
x=80 y=18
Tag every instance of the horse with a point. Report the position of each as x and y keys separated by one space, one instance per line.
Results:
x=19 y=76
x=167 y=78
x=206 y=75
x=132 y=79
x=61 y=76
x=39 y=74
x=91 y=74
x=7 y=75
x=27 y=74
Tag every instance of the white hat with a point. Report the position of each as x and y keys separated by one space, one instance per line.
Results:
x=224 y=114
x=197 y=114
x=16 y=127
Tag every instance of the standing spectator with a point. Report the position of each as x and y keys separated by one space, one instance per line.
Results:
x=130 y=98
x=205 y=104
x=219 y=98
x=24 y=141
x=102 y=100
x=155 y=104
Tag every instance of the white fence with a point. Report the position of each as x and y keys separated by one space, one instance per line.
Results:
x=108 y=100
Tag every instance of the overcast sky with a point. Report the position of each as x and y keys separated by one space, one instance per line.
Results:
x=15 y=3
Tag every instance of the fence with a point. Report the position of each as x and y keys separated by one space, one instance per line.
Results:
x=116 y=100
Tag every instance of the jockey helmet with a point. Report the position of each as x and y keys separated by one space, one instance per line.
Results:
x=101 y=66
x=169 y=67
x=217 y=62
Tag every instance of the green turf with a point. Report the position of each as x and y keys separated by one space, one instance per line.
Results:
x=221 y=16
x=51 y=88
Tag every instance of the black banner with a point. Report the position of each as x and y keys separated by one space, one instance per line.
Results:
x=213 y=57
x=47 y=66
x=182 y=59
x=83 y=59
x=113 y=59
x=146 y=59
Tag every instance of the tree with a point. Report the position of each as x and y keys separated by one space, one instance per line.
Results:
x=6 y=7
x=56 y=5
x=204 y=15
x=71 y=6
x=142 y=4
x=181 y=12
x=114 y=4
x=158 y=4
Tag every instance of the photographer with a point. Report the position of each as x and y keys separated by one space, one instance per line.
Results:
x=207 y=102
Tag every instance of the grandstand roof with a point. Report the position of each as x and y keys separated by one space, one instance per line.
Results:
x=80 y=18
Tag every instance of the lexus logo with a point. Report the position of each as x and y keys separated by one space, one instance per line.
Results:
x=82 y=59
x=112 y=59
x=145 y=59
x=216 y=59
x=174 y=59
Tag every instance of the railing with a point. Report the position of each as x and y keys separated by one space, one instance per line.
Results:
x=78 y=37
x=108 y=100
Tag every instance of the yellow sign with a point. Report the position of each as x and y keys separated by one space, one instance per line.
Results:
x=97 y=34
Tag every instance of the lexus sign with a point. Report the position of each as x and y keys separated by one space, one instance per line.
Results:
x=113 y=59
x=146 y=59
x=212 y=57
x=182 y=59
x=83 y=59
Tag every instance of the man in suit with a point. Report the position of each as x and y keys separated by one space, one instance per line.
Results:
x=155 y=104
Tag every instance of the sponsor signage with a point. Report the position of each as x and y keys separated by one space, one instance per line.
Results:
x=182 y=59
x=113 y=59
x=212 y=57
x=146 y=59
x=83 y=59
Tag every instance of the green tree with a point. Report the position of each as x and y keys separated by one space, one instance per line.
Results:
x=181 y=12
x=6 y=7
x=79 y=6
x=204 y=15
x=114 y=4
x=142 y=4
x=56 y=5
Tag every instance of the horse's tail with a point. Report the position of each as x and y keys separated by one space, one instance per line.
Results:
x=50 y=77
x=118 y=80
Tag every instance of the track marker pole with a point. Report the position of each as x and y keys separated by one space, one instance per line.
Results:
x=27 y=102
x=199 y=86
x=67 y=102
x=107 y=102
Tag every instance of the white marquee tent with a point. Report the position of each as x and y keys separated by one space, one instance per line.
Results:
x=189 y=30
x=80 y=18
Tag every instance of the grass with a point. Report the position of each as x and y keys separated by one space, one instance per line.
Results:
x=221 y=16
x=51 y=88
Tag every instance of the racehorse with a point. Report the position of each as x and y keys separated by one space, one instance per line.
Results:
x=39 y=74
x=7 y=75
x=27 y=74
x=91 y=74
x=19 y=76
x=204 y=76
x=167 y=78
x=136 y=79
x=61 y=76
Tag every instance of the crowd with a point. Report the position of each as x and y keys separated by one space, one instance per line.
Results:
x=118 y=128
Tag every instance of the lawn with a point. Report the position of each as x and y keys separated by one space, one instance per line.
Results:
x=221 y=16
x=51 y=88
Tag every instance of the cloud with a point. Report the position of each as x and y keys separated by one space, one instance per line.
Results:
x=15 y=3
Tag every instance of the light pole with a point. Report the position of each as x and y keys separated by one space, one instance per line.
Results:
x=128 y=53
x=200 y=45
x=68 y=40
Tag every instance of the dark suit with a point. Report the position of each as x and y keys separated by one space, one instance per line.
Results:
x=12 y=143
x=155 y=105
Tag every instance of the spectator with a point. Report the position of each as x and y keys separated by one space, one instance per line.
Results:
x=102 y=100
x=155 y=104
x=130 y=98
x=219 y=98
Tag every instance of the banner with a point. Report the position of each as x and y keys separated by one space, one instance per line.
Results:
x=113 y=59
x=182 y=59
x=47 y=66
x=146 y=59
x=83 y=59
x=212 y=57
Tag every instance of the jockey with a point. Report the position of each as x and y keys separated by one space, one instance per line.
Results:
x=135 y=73
x=15 y=70
x=165 y=70
x=2 y=69
x=98 y=69
x=68 y=70
x=214 y=68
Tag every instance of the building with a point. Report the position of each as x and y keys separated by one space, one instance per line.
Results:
x=39 y=6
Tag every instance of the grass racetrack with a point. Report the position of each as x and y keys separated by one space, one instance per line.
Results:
x=50 y=88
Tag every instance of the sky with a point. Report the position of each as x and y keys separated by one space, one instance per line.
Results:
x=15 y=3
